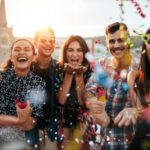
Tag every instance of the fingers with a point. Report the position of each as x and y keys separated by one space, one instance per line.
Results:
x=126 y=117
x=95 y=106
x=77 y=69
x=118 y=118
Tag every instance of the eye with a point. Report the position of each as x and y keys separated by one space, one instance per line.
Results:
x=52 y=41
x=69 y=50
x=120 y=40
x=111 y=41
x=79 y=50
x=43 y=40
x=16 y=49
x=27 y=49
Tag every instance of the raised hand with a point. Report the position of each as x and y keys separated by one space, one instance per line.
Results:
x=80 y=69
x=69 y=68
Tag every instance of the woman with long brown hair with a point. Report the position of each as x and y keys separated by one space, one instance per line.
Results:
x=139 y=81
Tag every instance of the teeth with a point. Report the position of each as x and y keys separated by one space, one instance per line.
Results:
x=22 y=59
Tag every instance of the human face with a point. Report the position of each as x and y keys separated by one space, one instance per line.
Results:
x=45 y=44
x=116 y=44
x=148 y=47
x=22 y=55
x=74 y=54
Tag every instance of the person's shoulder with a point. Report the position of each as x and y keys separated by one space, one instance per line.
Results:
x=59 y=67
x=7 y=71
x=54 y=62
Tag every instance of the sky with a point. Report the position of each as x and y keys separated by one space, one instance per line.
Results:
x=66 y=17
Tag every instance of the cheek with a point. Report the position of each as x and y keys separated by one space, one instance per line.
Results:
x=81 y=57
x=31 y=56
x=13 y=57
x=68 y=55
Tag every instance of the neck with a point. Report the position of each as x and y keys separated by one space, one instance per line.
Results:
x=124 y=63
x=22 y=73
x=43 y=61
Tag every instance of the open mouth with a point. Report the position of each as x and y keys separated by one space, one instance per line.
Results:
x=75 y=61
x=22 y=59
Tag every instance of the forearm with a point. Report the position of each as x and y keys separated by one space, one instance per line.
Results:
x=6 y=120
x=65 y=88
x=79 y=87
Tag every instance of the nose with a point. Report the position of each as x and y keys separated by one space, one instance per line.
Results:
x=22 y=51
x=116 y=44
x=74 y=53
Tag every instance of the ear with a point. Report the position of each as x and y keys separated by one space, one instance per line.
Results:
x=106 y=42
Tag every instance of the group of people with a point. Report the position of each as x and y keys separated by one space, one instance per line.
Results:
x=56 y=95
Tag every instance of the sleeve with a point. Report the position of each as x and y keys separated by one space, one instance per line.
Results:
x=91 y=85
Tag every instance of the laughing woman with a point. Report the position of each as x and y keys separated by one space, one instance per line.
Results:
x=19 y=83
x=71 y=75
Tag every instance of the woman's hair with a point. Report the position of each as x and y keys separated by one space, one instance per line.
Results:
x=143 y=83
x=8 y=63
x=68 y=41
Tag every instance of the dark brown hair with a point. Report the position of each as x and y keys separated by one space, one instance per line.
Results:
x=144 y=76
x=68 y=41
x=112 y=28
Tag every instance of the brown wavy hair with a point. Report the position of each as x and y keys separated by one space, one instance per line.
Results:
x=68 y=41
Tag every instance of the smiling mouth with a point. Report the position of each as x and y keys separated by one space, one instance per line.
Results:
x=118 y=50
x=22 y=59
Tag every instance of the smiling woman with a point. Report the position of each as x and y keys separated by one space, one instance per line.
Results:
x=19 y=83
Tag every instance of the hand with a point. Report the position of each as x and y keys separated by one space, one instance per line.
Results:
x=101 y=119
x=80 y=69
x=29 y=124
x=94 y=105
x=23 y=114
x=69 y=68
x=126 y=117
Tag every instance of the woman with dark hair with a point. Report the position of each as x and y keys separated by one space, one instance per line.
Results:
x=18 y=85
x=71 y=75
x=139 y=81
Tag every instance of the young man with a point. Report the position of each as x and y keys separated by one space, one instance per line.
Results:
x=118 y=115
x=44 y=66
